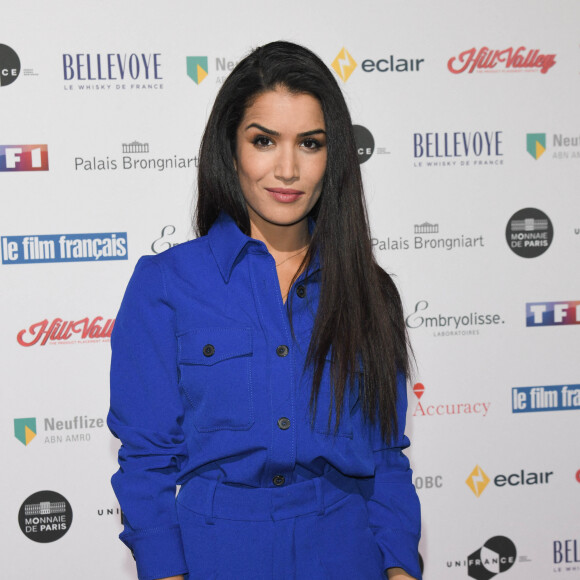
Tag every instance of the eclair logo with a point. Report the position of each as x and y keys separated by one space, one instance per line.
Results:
x=61 y=331
x=477 y=480
x=507 y=60
x=344 y=64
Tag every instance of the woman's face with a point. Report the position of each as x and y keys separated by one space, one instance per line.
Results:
x=281 y=157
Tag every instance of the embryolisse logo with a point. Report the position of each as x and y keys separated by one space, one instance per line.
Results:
x=450 y=325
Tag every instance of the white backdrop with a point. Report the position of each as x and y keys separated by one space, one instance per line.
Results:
x=450 y=164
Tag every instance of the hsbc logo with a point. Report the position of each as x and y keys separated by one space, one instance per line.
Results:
x=23 y=158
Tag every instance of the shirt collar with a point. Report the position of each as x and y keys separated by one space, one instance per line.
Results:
x=227 y=242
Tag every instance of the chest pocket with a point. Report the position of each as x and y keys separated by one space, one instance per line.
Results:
x=215 y=366
x=349 y=408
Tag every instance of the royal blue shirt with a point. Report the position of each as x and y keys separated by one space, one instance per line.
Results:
x=205 y=367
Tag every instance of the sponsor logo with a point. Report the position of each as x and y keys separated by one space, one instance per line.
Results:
x=344 y=64
x=428 y=481
x=64 y=248
x=553 y=313
x=529 y=232
x=197 y=68
x=458 y=149
x=425 y=239
x=23 y=158
x=77 y=429
x=165 y=241
x=478 y=480
x=106 y=512
x=536 y=144
x=25 y=429
x=578 y=476
x=45 y=516
x=566 y=555
x=450 y=325
x=487 y=60
x=497 y=555
x=132 y=160
x=61 y=331
x=551 y=398
x=111 y=71
x=365 y=143
x=425 y=409
x=9 y=65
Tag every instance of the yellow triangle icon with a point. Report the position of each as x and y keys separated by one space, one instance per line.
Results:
x=201 y=74
x=29 y=435
x=539 y=150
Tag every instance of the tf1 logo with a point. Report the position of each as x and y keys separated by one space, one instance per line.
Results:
x=23 y=158
x=552 y=313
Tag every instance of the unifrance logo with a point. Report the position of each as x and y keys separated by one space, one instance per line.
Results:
x=553 y=313
x=529 y=232
x=512 y=60
x=23 y=158
x=549 y=398
x=497 y=555
x=344 y=64
x=425 y=409
x=9 y=65
x=197 y=68
x=61 y=331
x=25 y=429
x=45 y=516
x=536 y=144
x=477 y=480
x=43 y=249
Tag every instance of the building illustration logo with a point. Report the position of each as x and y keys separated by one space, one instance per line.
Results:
x=25 y=429
x=426 y=228
x=344 y=64
x=135 y=147
x=197 y=68
x=477 y=480
x=536 y=144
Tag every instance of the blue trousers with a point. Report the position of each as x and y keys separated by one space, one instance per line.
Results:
x=313 y=530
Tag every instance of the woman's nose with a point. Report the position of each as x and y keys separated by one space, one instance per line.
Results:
x=286 y=165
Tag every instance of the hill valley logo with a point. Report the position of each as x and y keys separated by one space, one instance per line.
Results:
x=45 y=516
x=427 y=409
x=529 y=232
x=59 y=332
x=508 y=60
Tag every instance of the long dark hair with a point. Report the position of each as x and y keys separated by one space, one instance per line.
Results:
x=360 y=313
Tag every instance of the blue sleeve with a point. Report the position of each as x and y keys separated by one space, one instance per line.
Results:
x=146 y=414
x=393 y=505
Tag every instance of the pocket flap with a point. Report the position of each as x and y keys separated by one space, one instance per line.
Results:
x=208 y=346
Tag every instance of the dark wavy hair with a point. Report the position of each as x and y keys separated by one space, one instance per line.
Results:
x=360 y=313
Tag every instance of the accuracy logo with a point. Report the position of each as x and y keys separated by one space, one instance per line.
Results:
x=25 y=429
x=477 y=480
x=424 y=409
x=536 y=144
x=344 y=64
x=197 y=68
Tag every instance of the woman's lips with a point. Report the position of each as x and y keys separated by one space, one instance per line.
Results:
x=284 y=195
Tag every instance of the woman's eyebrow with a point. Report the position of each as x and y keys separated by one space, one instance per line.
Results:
x=277 y=134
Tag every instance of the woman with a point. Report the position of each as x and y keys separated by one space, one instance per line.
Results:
x=262 y=366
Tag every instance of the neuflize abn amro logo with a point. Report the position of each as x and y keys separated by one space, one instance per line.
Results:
x=536 y=144
x=197 y=68
x=25 y=429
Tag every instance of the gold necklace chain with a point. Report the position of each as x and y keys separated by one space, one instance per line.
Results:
x=292 y=256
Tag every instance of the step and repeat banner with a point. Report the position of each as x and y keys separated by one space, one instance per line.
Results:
x=468 y=127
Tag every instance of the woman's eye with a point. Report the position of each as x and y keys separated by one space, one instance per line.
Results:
x=262 y=141
x=311 y=144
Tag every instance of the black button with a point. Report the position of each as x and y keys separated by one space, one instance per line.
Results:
x=209 y=350
x=278 y=480
x=284 y=423
x=282 y=350
x=301 y=291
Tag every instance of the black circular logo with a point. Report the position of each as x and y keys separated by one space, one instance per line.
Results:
x=365 y=143
x=497 y=555
x=529 y=232
x=9 y=65
x=45 y=516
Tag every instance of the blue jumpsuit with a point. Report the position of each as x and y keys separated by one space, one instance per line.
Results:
x=209 y=392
